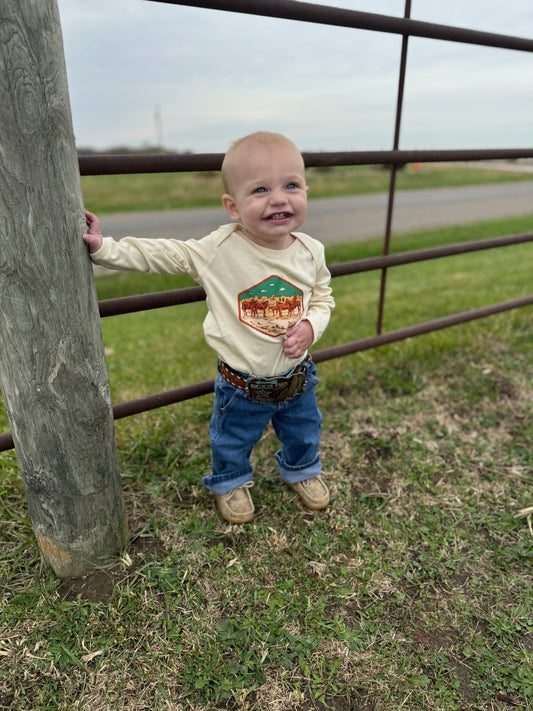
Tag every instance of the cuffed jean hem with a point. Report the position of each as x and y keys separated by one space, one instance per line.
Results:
x=222 y=483
x=292 y=475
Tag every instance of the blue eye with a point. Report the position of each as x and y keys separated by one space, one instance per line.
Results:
x=292 y=186
x=260 y=190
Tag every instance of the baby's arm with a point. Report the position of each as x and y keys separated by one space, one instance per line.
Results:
x=94 y=236
x=152 y=256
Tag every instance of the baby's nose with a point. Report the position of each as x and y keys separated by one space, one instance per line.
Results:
x=278 y=196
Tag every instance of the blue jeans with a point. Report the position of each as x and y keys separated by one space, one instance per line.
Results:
x=237 y=425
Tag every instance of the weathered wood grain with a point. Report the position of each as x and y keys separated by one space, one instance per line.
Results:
x=52 y=366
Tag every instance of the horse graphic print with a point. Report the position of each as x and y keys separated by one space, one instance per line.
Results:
x=272 y=306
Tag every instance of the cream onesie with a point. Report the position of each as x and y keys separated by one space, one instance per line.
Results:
x=254 y=294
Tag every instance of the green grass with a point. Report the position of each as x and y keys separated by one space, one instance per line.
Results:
x=411 y=591
x=116 y=193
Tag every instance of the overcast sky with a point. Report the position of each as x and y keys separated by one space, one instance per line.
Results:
x=142 y=71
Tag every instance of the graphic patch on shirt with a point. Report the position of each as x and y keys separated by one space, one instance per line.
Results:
x=272 y=306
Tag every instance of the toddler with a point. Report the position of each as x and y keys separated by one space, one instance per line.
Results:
x=268 y=300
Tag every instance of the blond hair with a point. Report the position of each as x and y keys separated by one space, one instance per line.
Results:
x=261 y=138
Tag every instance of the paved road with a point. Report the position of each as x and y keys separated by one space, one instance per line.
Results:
x=349 y=218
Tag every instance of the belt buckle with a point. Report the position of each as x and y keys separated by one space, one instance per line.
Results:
x=277 y=389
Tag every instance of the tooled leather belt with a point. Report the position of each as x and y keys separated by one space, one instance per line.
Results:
x=277 y=388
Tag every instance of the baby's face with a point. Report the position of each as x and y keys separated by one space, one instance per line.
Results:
x=269 y=194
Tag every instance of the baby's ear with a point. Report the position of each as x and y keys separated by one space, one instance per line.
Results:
x=230 y=206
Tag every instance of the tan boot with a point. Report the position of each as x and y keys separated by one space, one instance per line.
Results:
x=312 y=492
x=236 y=506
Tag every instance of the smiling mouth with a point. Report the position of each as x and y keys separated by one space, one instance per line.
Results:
x=279 y=216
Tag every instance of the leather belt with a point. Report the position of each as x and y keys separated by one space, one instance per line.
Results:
x=277 y=388
x=232 y=376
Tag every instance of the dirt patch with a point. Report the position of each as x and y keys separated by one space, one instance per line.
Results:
x=99 y=585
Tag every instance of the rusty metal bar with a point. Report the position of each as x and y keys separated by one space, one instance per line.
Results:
x=419 y=329
x=145 y=163
x=154 y=300
x=324 y=15
x=180 y=163
x=420 y=255
x=6 y=441
x=393 y=170
x=162 y=399
x=174 y=297
x=170 y=397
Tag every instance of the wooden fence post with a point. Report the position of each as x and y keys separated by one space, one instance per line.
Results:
x=52 y=366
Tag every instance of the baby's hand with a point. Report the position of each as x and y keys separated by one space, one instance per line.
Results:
x=93 y=237
x=298 y=339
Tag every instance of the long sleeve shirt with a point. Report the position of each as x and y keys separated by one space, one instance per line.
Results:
x=254 y=294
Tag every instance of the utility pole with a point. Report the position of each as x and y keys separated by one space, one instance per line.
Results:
x=52 y=366
x=159 y=128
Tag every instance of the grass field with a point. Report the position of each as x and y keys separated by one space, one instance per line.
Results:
x=411 y=591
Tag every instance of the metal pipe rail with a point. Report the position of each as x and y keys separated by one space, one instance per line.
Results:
x=338 y=17
x=185 y=163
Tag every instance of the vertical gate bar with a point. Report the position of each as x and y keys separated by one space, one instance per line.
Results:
x=392 y=183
